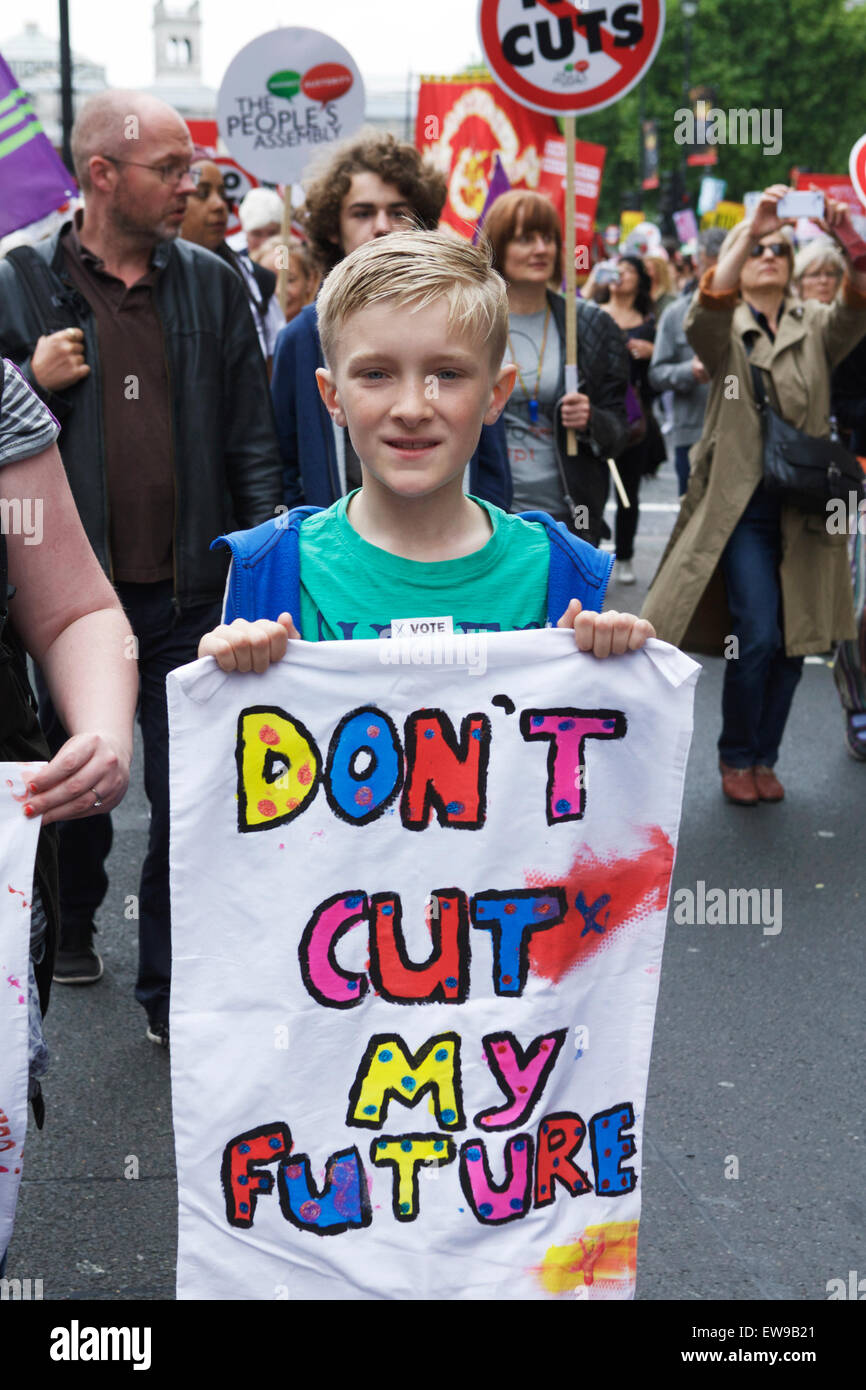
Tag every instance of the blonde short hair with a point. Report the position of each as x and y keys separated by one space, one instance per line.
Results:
x=414 y=269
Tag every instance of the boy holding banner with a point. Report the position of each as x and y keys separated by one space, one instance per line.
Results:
x=413 y=329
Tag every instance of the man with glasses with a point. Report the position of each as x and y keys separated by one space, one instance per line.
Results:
x=205 y=223
x=142 y=346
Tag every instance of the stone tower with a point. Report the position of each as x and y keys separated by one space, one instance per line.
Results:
x=177 y=44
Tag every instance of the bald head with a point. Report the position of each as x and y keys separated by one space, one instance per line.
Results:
x=126 y=125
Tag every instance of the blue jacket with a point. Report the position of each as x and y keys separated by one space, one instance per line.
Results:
x=264 y=580
x=306 y=435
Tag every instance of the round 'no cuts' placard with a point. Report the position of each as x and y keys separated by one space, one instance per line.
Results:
x=284 y=97
x=857 y=168
x=565 y=57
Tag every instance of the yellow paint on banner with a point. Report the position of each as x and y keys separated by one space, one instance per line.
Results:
x=605 y=1252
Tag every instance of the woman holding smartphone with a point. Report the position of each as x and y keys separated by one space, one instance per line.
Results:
x=745 y=574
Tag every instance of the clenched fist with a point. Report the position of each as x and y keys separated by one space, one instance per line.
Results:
x=58 y=359
x=575 y=410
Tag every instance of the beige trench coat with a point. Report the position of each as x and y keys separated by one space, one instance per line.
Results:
x=687 y=602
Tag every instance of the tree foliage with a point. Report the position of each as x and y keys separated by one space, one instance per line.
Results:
x=806 y=58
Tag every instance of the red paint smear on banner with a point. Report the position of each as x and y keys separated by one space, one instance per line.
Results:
x=636 y=887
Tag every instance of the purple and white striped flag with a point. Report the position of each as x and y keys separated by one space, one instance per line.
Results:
x=499 y=184
x=33 y=179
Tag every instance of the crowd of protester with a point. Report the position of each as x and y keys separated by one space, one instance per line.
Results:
x=181 y=379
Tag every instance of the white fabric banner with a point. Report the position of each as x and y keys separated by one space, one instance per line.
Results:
x=419 y=891
x=18 y=837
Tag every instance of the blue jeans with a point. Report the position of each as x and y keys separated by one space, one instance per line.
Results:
x=165 y=640
x=760 y=679
x=681 y=464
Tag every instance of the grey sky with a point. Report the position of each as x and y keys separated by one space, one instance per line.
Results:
x=385 y=37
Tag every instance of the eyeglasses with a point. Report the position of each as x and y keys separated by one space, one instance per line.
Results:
x=831 y=274
x=778 y=248
x=168 y=173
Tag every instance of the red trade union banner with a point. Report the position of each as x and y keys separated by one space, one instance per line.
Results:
x=589 y=164
x=204 y=133
x=566 y=58
x=461 y=126
x=842 y=189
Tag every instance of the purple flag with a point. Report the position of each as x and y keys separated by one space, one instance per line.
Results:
x=33 y=179
x=499 y=184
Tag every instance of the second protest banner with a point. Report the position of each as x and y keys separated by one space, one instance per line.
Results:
x=18 y=837
x=419 y=889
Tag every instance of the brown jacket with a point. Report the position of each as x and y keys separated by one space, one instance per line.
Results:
x=687 y=602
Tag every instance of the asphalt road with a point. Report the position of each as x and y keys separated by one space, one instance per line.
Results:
x=755 y=1068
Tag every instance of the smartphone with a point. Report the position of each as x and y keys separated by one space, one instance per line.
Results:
x=606 y=274
x=806 y=203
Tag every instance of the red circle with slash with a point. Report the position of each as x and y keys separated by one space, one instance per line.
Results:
x=557 y=57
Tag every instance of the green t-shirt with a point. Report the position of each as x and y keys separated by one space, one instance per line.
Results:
x=351 y=589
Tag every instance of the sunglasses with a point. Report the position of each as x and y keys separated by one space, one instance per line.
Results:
x=778 y=248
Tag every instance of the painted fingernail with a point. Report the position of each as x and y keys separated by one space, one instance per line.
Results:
x=31 y=787
x=28 y=810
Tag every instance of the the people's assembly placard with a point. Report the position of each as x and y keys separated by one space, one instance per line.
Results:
x=419 y=890
x=285 y=97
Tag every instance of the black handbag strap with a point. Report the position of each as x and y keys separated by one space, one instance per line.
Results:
x=760 y=393
x=41 y=286
x=758 y=387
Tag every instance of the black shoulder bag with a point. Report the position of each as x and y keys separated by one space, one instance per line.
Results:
x=804 y=469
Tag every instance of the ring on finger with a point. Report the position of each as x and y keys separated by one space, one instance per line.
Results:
x=98 y=801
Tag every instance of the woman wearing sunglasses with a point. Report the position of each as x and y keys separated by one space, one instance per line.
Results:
x=745 y=575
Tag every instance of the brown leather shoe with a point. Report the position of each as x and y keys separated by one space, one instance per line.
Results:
x=738 y=785
x=768 y=786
